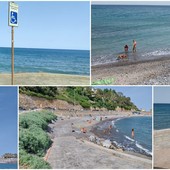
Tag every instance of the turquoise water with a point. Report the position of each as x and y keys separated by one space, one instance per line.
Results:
x=161 y=116
x=46 y=60
x=8 y=166
x=113 y=26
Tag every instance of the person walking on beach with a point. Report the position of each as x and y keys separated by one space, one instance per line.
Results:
x=134 y=46
x=133 y=133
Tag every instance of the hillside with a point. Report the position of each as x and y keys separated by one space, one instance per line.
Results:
x=76 y=98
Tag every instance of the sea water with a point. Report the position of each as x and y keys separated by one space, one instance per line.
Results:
x=8 y=166
x=120 y=133
x=161 y=116
x=114 y=26
x=46 y=60
x=142 y=141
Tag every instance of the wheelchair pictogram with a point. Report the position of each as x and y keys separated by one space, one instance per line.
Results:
x=13 y=17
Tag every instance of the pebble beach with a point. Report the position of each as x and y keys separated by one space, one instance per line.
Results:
x=151 y=72
x=76 y=147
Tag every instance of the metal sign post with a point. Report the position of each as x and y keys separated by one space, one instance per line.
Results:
x=12 y=55
x=13 y=22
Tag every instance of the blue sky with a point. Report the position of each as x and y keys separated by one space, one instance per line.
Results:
x=8 y=120
x=140 y=96
x=162 y=94
x=56 y=25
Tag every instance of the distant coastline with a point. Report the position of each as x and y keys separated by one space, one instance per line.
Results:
x=8 y=160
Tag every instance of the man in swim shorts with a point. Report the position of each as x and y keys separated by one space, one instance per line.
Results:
x=134 y=46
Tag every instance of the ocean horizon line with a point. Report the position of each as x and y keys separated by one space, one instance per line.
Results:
x=48 y=48
x=129 y=4
x=161 y=103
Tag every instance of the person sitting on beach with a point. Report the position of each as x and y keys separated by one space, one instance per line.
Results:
x=121 y=56
x=133 y=133
x=134 y=46
x=126 y=48
x=83 y=130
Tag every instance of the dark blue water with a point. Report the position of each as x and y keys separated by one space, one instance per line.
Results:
x=142 y=140
x=113 y=26
x=46 y=60
x=8 y=166
x=161 y=116
x=121 y=133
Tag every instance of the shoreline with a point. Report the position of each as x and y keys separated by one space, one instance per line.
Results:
x=69 y=129
x=44 y=79
x=147 y=72
x=93 y=130
x=126 y=62
x=161 y=130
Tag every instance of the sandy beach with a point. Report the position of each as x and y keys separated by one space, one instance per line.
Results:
x=151 y=72
x=75 y=150
x=44 y=79
x=162 y=148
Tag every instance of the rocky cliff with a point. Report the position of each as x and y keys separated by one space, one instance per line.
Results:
x=32 y=102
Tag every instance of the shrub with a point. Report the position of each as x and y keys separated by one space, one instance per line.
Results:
x=85 y=104
x=33 y=138
x=40 y=119
x=28 y=161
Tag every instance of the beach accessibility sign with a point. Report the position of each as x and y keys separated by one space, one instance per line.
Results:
x=13 y=14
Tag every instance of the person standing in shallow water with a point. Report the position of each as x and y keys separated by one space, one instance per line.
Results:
x=126 y=48
x=133 y=133
x=134 y=46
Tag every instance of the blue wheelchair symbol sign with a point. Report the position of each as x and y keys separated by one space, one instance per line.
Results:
x=13 y=17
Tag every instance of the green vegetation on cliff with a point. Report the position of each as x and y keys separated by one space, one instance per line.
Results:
x=85 y=96
x=33 y=139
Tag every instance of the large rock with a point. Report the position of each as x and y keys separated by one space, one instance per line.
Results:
x=92 y=138
x=107 y=143
x=98 y=141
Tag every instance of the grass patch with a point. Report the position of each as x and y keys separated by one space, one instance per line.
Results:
x=104 y=82
x=33 y=138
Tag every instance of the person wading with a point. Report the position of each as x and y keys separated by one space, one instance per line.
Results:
x=134 y=46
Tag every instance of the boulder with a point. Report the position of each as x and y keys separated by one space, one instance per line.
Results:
x=98 y=141
x=107 y=143
x=92 y=138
